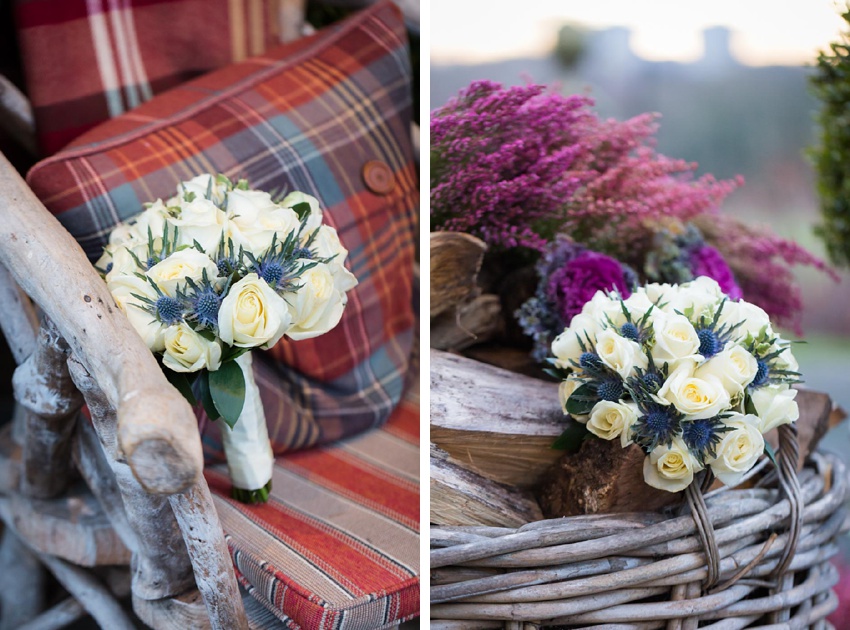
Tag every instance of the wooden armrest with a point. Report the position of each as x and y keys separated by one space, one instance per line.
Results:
x=157 y=430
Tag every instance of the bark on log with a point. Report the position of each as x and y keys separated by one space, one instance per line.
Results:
x=61 y=615
x=43 y=386
x=157 y=429
x=161 y=565
x=475 y=321
x=10 y=461
x=455 y=261
x=184 y=611
x=19 y=321
x=462 y=497
x=494 y=422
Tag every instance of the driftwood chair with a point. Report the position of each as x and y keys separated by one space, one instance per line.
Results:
x=126 y=489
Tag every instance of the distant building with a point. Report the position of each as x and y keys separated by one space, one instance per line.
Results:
x=717 y=56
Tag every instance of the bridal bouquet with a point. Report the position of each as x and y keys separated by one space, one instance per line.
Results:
x=214 y=272
x=692 y=377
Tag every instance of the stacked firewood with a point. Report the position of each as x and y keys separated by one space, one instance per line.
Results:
x=495 y=415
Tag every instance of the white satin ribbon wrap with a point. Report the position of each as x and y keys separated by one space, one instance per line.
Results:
x=247 y=446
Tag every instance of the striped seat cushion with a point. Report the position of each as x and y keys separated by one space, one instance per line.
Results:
x=322 y=115
x=337 y=545
x=89 y=60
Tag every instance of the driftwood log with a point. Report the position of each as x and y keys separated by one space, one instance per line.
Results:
x=462 y=497
x=493 y=422
x=474 y=322
x=455 y=261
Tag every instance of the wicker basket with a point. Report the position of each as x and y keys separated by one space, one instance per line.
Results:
x=644 y=571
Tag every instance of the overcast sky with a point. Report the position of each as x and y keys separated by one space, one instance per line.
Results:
x=764 y=31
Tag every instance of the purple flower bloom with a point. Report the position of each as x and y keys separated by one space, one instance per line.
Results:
x=707 y=261
x=575 y=284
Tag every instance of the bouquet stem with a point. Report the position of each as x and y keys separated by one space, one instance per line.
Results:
x=247 y=445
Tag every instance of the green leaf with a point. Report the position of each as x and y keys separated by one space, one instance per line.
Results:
x=302 y=209
x=750 y=406
x=227 y=387
x=203 y=384
x=581 y=401
x=768 y=450
x=182 y=383
x=570 y=440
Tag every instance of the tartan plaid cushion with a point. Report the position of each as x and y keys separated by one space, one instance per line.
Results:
x=315 y=115
x=90 y=60
x=337 y=545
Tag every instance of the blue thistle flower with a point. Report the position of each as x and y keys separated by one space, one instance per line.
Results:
x=109 y=267
x=709 y=343
x=658 y=425
x=590 y=361
x=151 y=261
x=652 y=381
x=303 y=252
x=762 y=374
x=702 y=436
x=630 y=331
x=205 y=307
x=611 y=389
x=168 y=310
x=271 y=271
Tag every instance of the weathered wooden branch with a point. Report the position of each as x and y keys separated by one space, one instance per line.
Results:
x=17 y=117
x=462 y=497
x=22 y=583
x=494 y=422
x=475 y=321
x=161 y=565
x=61 y=615
x=157 y=429
x=455 y=261
x=42 y=385
x=19 y=321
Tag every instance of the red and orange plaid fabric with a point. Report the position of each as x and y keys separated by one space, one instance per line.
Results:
x=337 y=545
x=306 y=116
x=90 y=60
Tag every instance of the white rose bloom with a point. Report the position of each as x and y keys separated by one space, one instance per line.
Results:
x=296 y=197
x=150 y=330
x=697 y=398
x=675 y=340
x=565 y=390
x=123 y=262
x=626 y=437
x=252 y=314
x=199 y=221
x=566 y=346
x=187 y=351
x=735 y=367
x=638 y=303
x=670 y=468
x=327 y=245
x=609 y=420
x=317 y=306
x=154 y=219
x=786 y=360
x=602 y=308
x=751 y=317
x=255 y=219
x=620 y=354
x=775 y=406
x=122 y=233
x=702 y=295
x=172 y=272
x=738 y=450
x=658 y=294
x=199 y=185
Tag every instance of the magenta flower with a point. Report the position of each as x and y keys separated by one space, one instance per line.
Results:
x=707 y=261
x=573 y=285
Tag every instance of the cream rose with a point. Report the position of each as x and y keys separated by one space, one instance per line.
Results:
x=327 y=245
x=187 y=351
x=152 y=219
x=201 y=221
x=702 y=295
x=751 y=319
x=638 y=304
x=734 y=367
x=775 y=406
x=739 y=449
x=122 y=233
x=609 y=420
x=670 y=468
x=658 y=294
x=602 y=308
x=252 y=314
x=255 y=219
x=317 y=306
x=566 y=346
x=123 y=288
x=200 y=185
x=695 y=397
x=172 y=272
x=565 y=390
x=294 y=198
x=675 y=340
x=124 y=259
x=620 y=354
